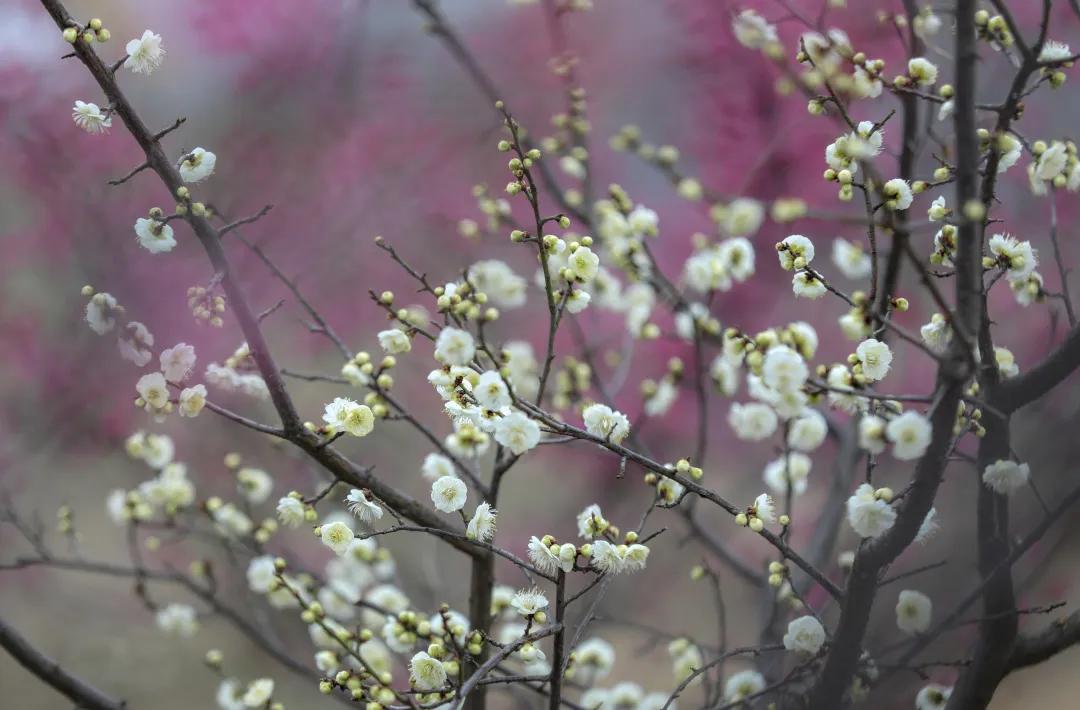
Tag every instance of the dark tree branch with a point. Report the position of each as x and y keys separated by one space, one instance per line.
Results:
x=49 y=672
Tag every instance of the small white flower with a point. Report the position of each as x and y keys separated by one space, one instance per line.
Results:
x=922 y=71
x=394 y=341
x=99 y=313
x=197 y=165
x=455 y=347
x=872 y=434
x=937 y=333
x=177 y=620
x=868 y=515
x=794 y=468
x=436 y=466
x=806 y=285
x=337 y=536
x=261 y=574
x=144 y=54
x=604 y=422
x=258 y=693
x=913 y=611
x=529 y=601
x=1017 y=257
x=90 y=118
x=851 y=259
x=344 y=414
x=805 y=635
x=807 y=431
x=584 y=264
x=752 y=421
x=154 y=236
x=542 y=557
x=938 y=211
x=362 y=506
x=517 y=432
x=448 y=494
x=933 y=697
x=426 y=673
x=192 y=400
x=135 y=342
x=154 y=391
x=177 y=362
x=1006 y=476
x=795 y=252
x=752 y=30
x=1006 y=362
x=742 y=685
x=491 y=392
x=290 y=511
x=875 y=358
x=910 y=435
x=783 y=369
x=482 y=525
x=898 y=195
x=1053 y=51
x=764 y=508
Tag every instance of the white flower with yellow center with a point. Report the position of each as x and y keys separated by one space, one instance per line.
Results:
x=426 y=673
x=394 y=341
x=449 y=494
x=874 y=357
x=804 y=635
x=913 y=611
x=192 y=400
x=154 y=236
x=197 y=165
x=337 y=536
x=1006 y=476
x=455 y=347
x=482 y=525
x=910 y=435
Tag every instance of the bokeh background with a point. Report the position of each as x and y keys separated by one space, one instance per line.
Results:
x=354 y=122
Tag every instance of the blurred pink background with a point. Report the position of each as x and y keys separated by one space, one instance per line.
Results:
x=353 y=122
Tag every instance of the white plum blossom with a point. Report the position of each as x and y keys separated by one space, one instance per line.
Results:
x=875 y=358
x=1005 y=476
x=742 y=685
x=144 y=54
x=258 y=693
x=933 y=697
x=491 y=392
x=448 y=494
x=936 y=334
x=197 y=165
x=583 y=263
x=290 y=511
x=177 y=362
x=345 y=415
x=872 y=434
x=177 y=620
x=135 y=342
x=937 y=211
x=154 y=236
x=517 y=432
x=604 y=422
x=455 y=347
x=154 y=391
x=192 y=400
x=851 y=259
x=481 y=526
x=795 y=252
x=394 y=341
x=99 y=313
x=922 y=71
x=436 y=466
x=869 y=515
x=617 y=559
x=528 y=601
x=806 y=285
x=1006 y=362
x=542 y=556
x=261 y=574
x=807 y=431
x=783 y=369
x=426 y=673
x=1052 y=161
x=913 y=610
x=337 y=536
x=752 y=421
x=1017 y=257
x=898 y=195
x=752 y=30
x=793 y=468
x=363 y=505
x=90 y=118
x=1053 y=52
x=496 y=279
x=804 y=635
x=910 y=435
